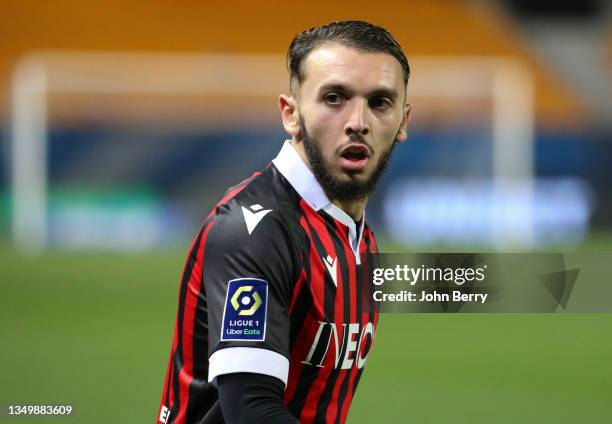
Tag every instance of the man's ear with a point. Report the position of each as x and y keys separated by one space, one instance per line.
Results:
x=402 y=134
x=289 y=114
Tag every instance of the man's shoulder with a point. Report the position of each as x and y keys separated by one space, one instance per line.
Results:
x=258 y=210
x=251 y=233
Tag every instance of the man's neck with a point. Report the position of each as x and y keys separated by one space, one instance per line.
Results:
x=354 y=208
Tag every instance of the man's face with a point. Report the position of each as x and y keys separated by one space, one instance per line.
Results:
x=351 y=111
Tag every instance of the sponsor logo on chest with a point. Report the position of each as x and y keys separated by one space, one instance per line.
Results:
x=350 y=342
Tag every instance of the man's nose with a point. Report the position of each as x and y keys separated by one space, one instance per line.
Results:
x=357 y=122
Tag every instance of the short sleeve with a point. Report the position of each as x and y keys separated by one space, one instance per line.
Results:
x=248 y=274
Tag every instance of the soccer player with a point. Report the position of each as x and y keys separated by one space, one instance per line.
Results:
x=271 y=325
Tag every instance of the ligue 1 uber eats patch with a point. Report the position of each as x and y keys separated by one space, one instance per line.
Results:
x=246 y=308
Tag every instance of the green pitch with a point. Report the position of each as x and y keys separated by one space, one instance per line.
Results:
x=94 y=330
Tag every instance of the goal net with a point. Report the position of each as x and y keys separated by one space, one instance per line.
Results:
x=116 y=150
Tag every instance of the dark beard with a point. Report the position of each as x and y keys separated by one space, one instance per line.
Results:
x=333 y=187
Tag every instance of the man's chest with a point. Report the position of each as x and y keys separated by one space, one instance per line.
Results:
x=340 y=326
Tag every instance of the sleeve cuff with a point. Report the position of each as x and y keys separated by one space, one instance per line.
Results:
x=248 y=359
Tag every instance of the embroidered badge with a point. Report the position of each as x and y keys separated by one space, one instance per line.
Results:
x=246 y=309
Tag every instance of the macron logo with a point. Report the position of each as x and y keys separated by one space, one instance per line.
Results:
x=330 y=264
x=252 y=215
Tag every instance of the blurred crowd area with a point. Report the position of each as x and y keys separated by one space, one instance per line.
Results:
x=148 y=112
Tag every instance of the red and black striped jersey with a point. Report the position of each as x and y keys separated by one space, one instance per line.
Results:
x=274 y=284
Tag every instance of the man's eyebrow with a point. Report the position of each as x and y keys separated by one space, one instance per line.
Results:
x=335 y=87
x=391 y=93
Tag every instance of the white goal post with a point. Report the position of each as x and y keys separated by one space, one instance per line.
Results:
x=503 y=81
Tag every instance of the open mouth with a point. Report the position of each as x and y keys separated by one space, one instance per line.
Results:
x=355 y=152
x=354 y=157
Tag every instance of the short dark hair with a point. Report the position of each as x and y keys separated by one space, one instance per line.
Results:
x=358 y=35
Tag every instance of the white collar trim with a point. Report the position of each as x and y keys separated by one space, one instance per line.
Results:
x=344 y=218
x=292 y=167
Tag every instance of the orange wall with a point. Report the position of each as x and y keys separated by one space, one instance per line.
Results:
x=422 y=27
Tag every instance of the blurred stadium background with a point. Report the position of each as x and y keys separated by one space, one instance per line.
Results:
x=123 y=123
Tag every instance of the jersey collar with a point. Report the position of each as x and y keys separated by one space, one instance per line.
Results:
x=292 y=167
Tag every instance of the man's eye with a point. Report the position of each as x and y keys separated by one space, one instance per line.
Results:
x=379 y=103
x=334 y=99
